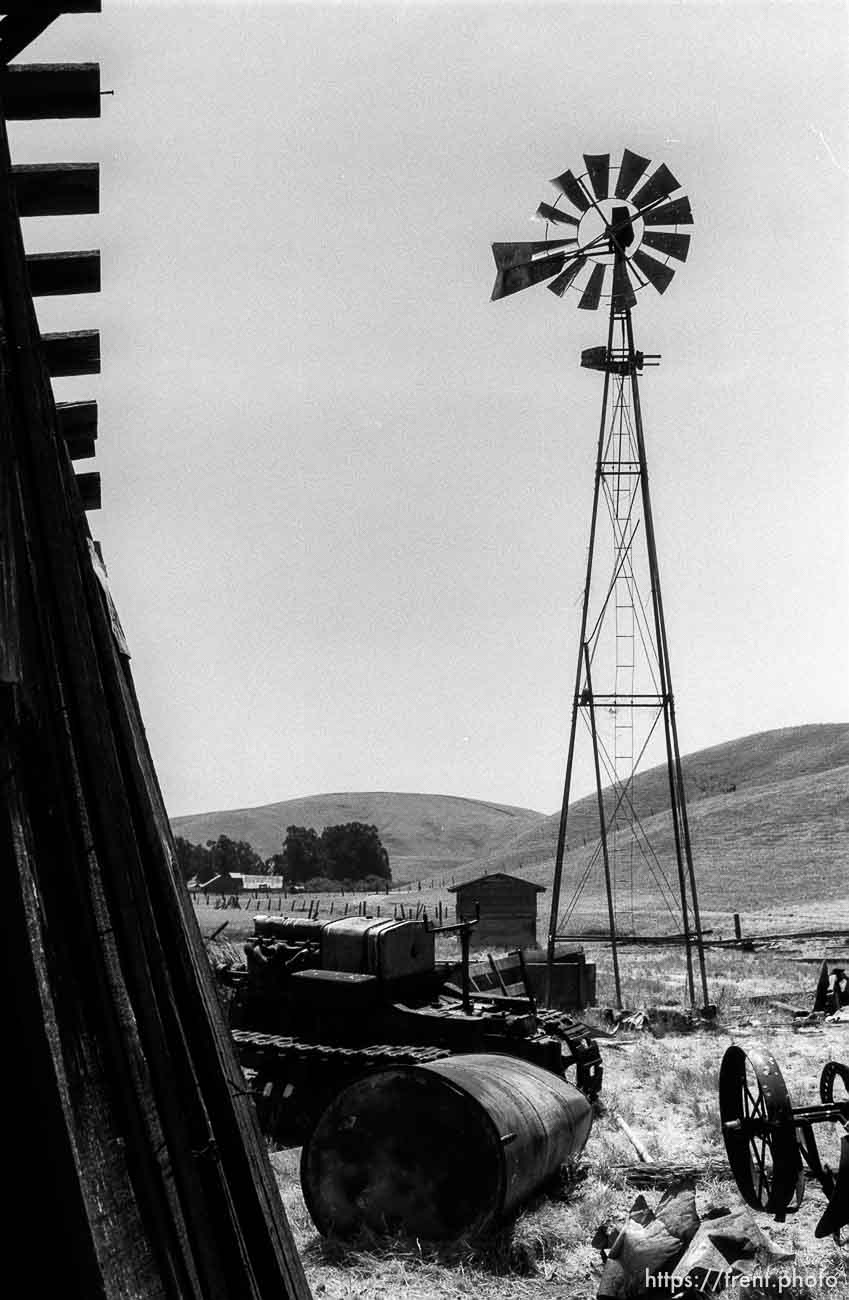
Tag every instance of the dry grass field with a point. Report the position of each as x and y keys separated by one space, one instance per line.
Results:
x=665 y=1090
x=770 y=825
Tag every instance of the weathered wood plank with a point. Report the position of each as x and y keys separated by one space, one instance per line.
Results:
x=151 y=1087
x=77 y=421
x=81 y=448
x=56 y=189
x=46 y=7
x=89 y=485
x=57 y=273
x=34 y=91
x=72 y=352
x=18 y=31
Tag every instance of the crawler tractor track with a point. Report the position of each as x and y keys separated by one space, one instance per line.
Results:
x=258 y=1051
x=584 y=1051
x=292 y=1080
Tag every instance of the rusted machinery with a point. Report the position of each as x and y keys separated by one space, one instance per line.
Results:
x=442 y=1149
x=771 y=1144
x=320 y=1003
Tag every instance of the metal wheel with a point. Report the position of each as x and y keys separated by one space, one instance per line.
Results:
x=834 y=1073
x=758 y=1128
x=834 y=1087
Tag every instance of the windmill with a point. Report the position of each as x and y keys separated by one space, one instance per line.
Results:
x=611 y=232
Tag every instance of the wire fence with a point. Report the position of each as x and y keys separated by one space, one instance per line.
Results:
x=315 y=907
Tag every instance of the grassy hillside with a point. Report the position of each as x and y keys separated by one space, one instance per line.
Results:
x=769 y=819
x=769 y=823
x=424 y=834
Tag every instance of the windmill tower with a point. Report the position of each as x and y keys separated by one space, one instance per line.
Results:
x=598 y=234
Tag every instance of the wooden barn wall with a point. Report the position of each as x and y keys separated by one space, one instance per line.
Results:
x=134 y=1156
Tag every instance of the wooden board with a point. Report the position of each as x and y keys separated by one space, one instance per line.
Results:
x=34 y=91
x=56 y=189
x=138 y=1166
x=58 y=273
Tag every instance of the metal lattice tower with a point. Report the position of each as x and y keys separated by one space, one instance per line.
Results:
x=623 y=700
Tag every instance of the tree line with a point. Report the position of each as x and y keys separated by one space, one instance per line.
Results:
x=350 y=853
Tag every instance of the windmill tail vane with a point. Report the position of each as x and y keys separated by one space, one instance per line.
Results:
x=609 y=230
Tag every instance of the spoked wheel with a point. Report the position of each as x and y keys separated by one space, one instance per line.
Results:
x=834 y=1087
x=834 y=1083
x=758 y=1128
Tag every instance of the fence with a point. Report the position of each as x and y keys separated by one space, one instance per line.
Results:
x=315 y=907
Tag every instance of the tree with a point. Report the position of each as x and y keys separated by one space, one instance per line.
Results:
x=303 y=855
x=193 y=860
x=353 y=850
x=233 y=858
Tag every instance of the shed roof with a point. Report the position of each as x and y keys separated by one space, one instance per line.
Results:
x=497 y=875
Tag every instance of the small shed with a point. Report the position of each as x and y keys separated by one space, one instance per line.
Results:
x=508 y=909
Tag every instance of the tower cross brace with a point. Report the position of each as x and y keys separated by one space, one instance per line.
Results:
x=622 y=486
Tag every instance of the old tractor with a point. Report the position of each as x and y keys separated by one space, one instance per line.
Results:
x=771 y=1145
x=318 y=1004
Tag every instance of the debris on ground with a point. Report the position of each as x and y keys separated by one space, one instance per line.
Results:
x=832 y=992
x=727 y=1246
x=662 y=1020
x=650 y=1243
x=672 y=1248
x=656 y=1173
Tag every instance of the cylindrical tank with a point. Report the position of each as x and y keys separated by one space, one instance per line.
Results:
x=441 y=1149
x=292 y=929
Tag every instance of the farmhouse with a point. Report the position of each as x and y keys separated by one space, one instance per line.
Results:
x=234 y=883
x=508 y=909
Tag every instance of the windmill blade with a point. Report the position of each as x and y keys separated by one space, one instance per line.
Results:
x=676 y=213
x=507 y=255
x=623 y=290
x=591 y=296
x=657 y=273
x=660 y=184
x=565 y=278
x=545 y=212
x=513 y=278
x=598 y=167
x=630 y=170
x=677 y=246
x=568 y=184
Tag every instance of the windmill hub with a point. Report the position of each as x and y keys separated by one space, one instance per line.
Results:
x=609 y=221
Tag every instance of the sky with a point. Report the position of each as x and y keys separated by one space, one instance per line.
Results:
x=346 y=498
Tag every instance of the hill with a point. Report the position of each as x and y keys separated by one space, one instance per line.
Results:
x=769 y=825
x=768 y=813
x=424 y=834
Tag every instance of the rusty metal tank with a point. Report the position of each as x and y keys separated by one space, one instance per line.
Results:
x=384 y=947
x=442 y=1149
